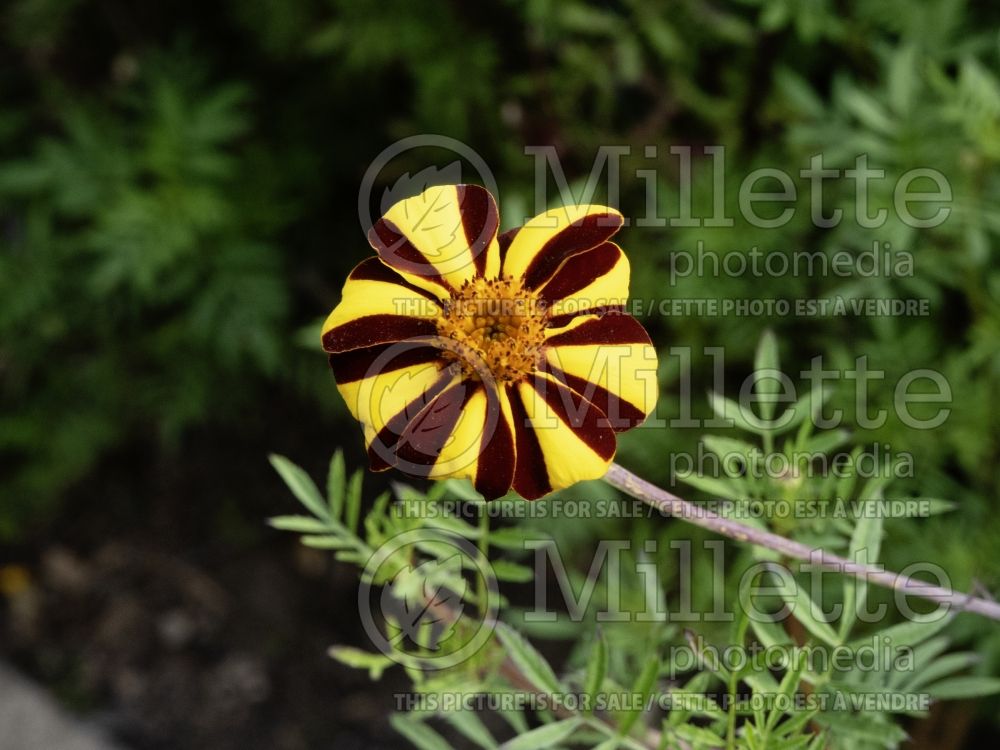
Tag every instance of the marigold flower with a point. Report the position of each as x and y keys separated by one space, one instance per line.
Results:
x=506 y=359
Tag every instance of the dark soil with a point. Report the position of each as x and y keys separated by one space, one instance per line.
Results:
x=160 y=603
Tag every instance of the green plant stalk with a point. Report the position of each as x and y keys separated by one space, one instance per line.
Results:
x=671 y=505
x=483 y=544
x=731 y=714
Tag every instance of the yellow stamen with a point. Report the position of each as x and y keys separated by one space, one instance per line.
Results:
x=497 y=324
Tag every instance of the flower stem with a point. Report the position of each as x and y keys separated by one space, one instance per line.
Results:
x=669 y=504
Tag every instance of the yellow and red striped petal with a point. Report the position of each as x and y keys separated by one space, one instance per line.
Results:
x=384 y=402
x=378 y=306
x=610 y=361
x=441 y=238
x=463 y=430
x=594 y=279
x=560 y=437
x=538 y=248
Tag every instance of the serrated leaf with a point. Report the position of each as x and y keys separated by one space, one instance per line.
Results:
x=512 y=572
x=827 y=442
x=866 y=541
x=868 y=110
x=699 y=736
x=724 y=447
x=511 y=537
x=698 y=704
x=301 y=486
x=728 y=409
x=862 y=728
x=472 y=728
x=644 y=685
x=911 y=632
x=940 y=668
x=462 y=489
x=716 y=487
x=421 y=735
x=514 y=718
x=769 y=633
x=955 y=688
x=543 y=737
x=358 y=659
x=799 y=93
x=527 y=659
x=430 y=594
x=804 y=610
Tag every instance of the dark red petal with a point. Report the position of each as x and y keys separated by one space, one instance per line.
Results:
x=586 y=420
x=358 y=364
x=558 y=321
x=531 y=478
x=376 y=329
x=581 y=270
x=480 y=221
x=504 y=241
x=495 y=471
x=395 y=249
x=586 y=233
x=381 y=452
x=621 y=415
x=373 y=269
x=611 y=328
x=419 y=446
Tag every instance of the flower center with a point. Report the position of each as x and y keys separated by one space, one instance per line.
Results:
x=496 y=323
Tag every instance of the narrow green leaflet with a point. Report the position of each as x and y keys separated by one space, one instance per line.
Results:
x=358 y=659
x=806 y=611
x=421 y=735
x=866 y=541
x=472 y=728
x=301 y=486
x=300 y=524
x=527 y=659
x=335 y=484
x=354 y=500
x=955 y=688
x=699 y=737
x=644 y=686
x=512 y=572
x=742 y=418
x=766 y=370
x=596 y=669
x=544 y=736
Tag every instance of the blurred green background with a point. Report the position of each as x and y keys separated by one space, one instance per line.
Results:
x=178 y=207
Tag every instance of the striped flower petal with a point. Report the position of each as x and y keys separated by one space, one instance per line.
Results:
x=596 y=279
x=561 y=437
x=462 y=431
x=385 y=402
x=378 y=306
x=610 y=361
x=539 y=247
x=441 y=238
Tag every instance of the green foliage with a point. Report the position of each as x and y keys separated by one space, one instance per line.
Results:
x=768 y=685
x=136 y=279
x=178 y=192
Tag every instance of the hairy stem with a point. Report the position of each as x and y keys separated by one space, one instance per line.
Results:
x=671 y=505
